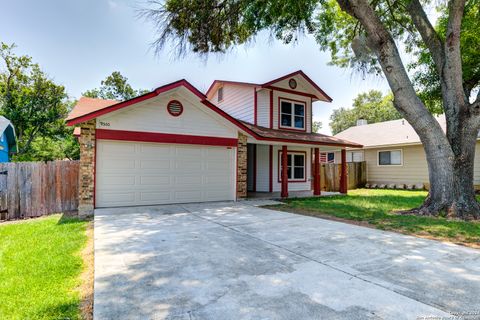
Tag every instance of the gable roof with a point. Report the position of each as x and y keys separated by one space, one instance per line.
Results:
x=82 y=113
x=86 y=105
x=7 y=127
x=318 y=93
x=395 y=132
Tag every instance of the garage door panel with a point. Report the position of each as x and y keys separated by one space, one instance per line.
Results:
x=132 y=173
x=156 y=180
x=117 y=180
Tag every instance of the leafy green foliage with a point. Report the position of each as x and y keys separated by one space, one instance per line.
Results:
x=40 y=266
x=425 y=76
x=114 y=87
x=372 y=106
x=35 y=105
x=377 y=207
x=316 y=126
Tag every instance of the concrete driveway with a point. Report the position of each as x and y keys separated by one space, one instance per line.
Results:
x=237 y=261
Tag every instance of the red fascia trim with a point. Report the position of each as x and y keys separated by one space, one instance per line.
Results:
x=304 y=118
x=164 y=138
x=304 y=166
x=138 y=99
x=299 y=93
x=271 y=109
x=270 y=167
x=299 y=72
x=255 y=105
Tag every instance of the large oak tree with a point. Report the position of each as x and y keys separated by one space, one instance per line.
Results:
x=367 y=35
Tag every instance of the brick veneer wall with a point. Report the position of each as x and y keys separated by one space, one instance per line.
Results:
x=87 y=170
x=242 y=166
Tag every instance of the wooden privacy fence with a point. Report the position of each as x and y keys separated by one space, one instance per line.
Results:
x=330 y=175
x=33 y=189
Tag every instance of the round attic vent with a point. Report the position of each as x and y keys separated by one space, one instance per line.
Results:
x=292 y=83
x=175 y=108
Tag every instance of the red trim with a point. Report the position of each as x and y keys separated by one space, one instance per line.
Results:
x=304 y=117
x=316 y=174
x=343 y=173
x=164 y=138
x=299 y=72
x=298 y=93
x=210 y=105
x=255 y=106
x=284 y=192
x=254 y=187
x=304 y=167
x=175 y=114
x=271 y=109
x=135 y=100
x=270 y=167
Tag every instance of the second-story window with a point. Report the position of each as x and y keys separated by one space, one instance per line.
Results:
x=292 y=114
x=220 y=94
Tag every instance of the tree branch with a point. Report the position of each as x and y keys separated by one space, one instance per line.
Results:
x=427 y=32
x=406 y=100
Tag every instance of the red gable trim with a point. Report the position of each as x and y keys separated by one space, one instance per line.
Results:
x=164 y=138
x=123 y=104
x=301 y=73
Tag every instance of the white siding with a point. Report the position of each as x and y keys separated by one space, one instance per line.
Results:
x=262 y=168
x=238 y=101
x=152 y=116
x=263 y=108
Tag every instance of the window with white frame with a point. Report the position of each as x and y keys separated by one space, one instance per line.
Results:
x=354 y=156
x=220 y=94
x=295 y=166
x=390 y=158
x=292 y=114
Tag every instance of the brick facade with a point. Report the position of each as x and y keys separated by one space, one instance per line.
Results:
x=242 y=166
x=87 y=168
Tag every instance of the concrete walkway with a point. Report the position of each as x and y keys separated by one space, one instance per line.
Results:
x=238 y=261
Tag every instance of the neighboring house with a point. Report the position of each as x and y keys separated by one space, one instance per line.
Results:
x=176 y=144
x=8 y=140
x=393 y=152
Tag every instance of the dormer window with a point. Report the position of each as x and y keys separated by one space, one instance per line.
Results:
x=292 y=114
x=220 y=94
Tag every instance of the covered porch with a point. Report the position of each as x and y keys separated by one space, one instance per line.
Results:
x=283 y=164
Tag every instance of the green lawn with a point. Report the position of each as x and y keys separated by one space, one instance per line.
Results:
x=377 y=208
x=40 y=264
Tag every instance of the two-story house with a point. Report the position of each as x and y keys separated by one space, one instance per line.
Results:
x=177 y=144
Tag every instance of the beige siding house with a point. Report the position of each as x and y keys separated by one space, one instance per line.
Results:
x=393 y=152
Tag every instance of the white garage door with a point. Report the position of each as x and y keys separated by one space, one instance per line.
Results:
x=133 y=173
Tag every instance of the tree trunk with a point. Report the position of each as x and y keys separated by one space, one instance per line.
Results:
x=451 y=179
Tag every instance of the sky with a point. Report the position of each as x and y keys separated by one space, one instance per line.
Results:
x=79 y=43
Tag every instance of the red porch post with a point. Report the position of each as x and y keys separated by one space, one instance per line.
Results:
x=343 y=173
x=284 y=193
x=316 y=174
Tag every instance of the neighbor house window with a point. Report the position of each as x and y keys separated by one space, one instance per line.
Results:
x=390 y=158
x=295 y=166
x=292 y=114
x=355 y=156
x=220 y=94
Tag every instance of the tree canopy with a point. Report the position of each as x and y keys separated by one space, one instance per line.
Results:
x=372 y=106
x=114 y=87
x=36 y=106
